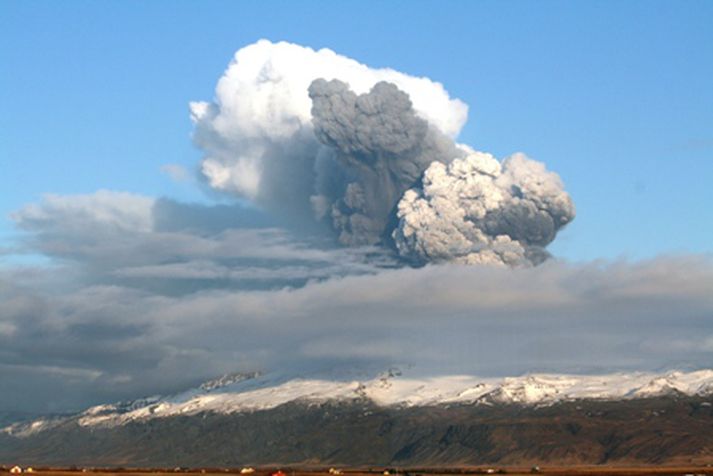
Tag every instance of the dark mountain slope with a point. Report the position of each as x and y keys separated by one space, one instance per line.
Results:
x=663 y=430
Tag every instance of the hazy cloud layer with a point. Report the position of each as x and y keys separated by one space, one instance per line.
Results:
x=87 y=343
x=170 y=298
x=120 y=238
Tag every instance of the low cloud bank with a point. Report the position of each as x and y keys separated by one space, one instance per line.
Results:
x=158 y=300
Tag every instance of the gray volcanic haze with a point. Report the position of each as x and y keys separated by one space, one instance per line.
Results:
x=352 y=231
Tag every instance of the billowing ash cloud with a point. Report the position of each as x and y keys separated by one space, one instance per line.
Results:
x=384 y=148
x=477 y=211
x=309 y=134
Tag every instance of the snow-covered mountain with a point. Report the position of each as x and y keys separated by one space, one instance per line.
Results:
x=239 y=393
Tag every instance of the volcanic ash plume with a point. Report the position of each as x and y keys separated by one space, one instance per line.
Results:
x=371 y=153
x=383 y=148
x=477 y=211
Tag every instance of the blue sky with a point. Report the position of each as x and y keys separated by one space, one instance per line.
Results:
x=614 y=96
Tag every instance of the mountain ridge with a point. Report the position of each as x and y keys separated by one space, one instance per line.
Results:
x=255 y=391
x=662 y=430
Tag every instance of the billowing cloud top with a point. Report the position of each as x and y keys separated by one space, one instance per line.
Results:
x=261 y=103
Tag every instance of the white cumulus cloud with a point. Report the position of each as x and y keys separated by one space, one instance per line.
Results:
x=260 y=119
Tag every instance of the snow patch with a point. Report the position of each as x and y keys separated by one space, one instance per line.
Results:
x=237 y=393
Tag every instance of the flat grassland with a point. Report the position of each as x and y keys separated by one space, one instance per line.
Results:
x=551 y=470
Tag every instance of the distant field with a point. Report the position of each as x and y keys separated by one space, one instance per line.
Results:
x=575 y=471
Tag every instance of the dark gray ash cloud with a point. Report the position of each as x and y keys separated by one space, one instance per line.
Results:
x=397 y=178
x=383 y=146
